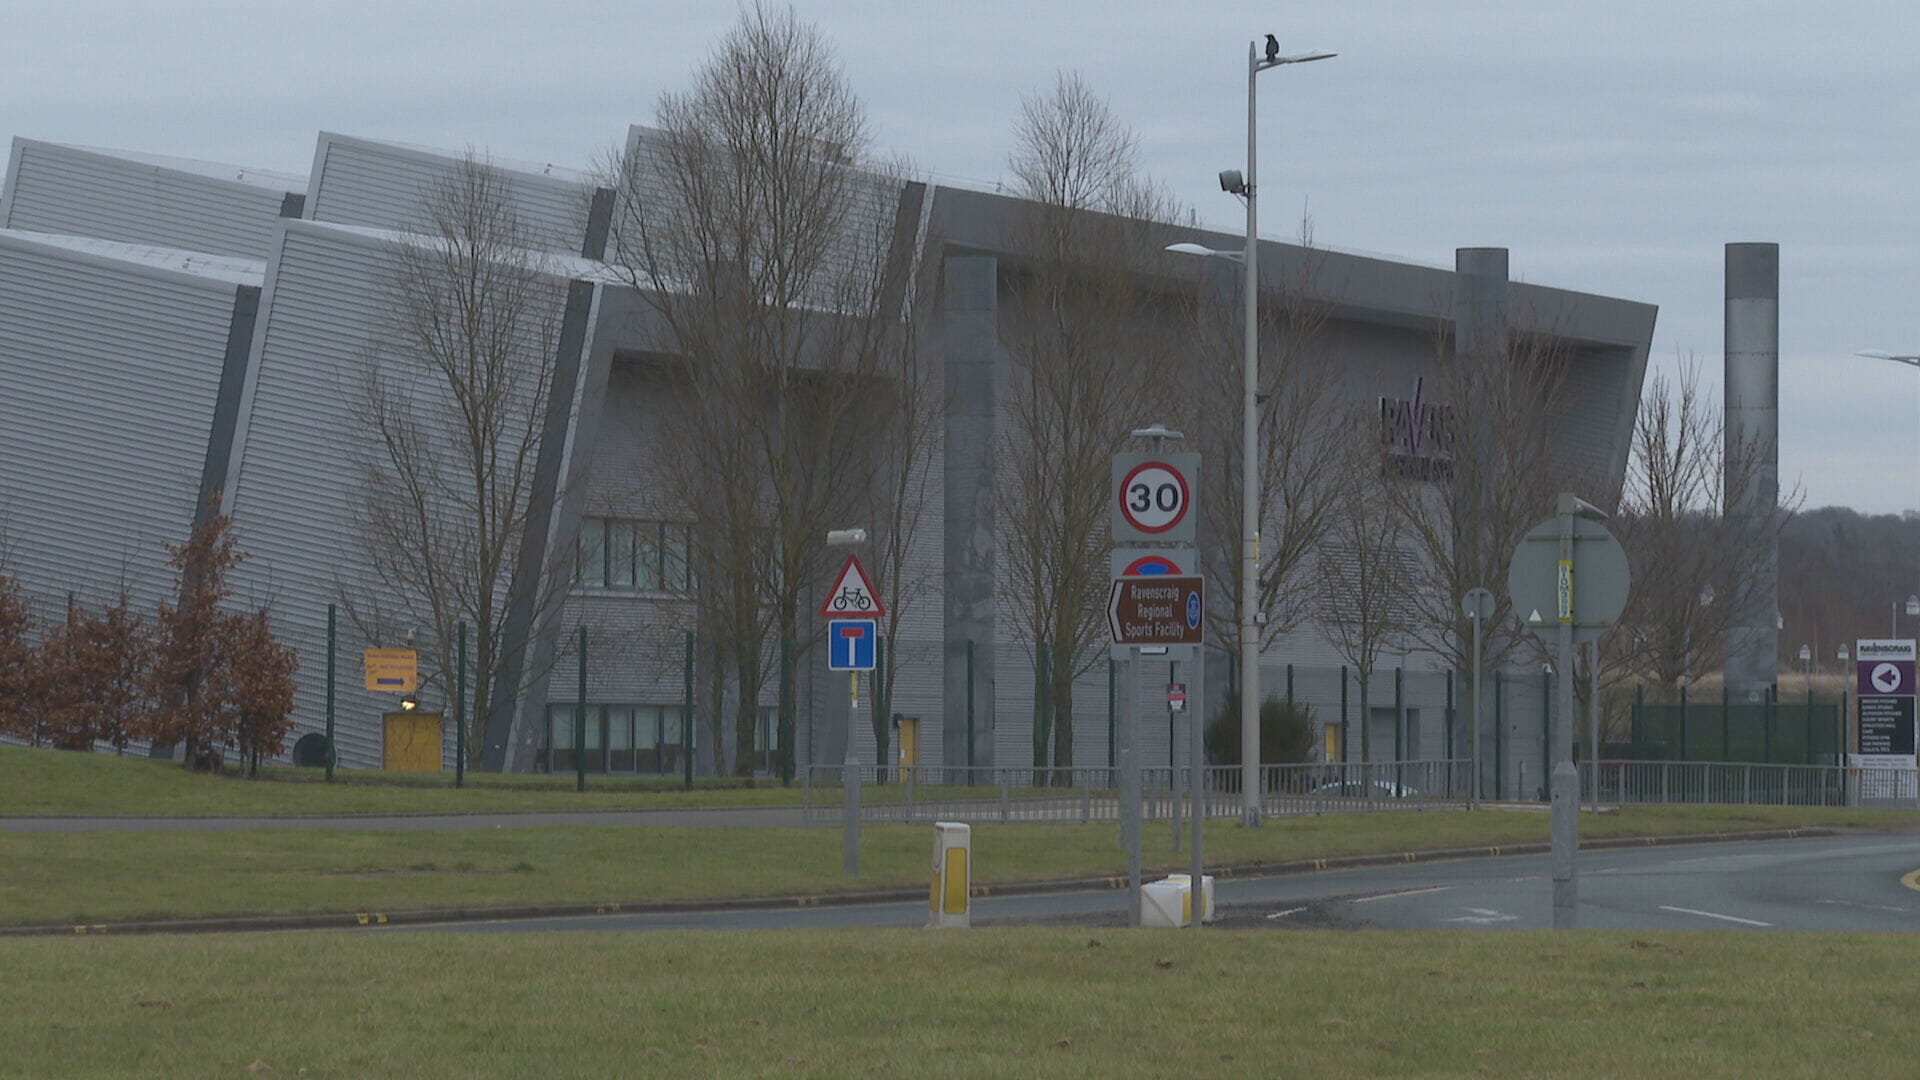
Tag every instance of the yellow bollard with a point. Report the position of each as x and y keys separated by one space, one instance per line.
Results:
x=950 y=897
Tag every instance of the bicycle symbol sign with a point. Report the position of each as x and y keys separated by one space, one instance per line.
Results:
x=852 y=593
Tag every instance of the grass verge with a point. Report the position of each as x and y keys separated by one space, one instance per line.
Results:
x=110 y=876
x=1014 y=1003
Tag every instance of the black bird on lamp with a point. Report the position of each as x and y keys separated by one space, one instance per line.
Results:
x=1273 y=48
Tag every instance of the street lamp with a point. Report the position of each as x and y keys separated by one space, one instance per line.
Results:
x=1248 y=187
x=1806 y=665
x=1686 y=634
x=1909 y=359
x=1893 y=617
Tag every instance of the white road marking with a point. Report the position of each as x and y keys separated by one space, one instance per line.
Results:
x=1714 y=915
x=1284 y=914
x=1856 y=903
x=1483 y=916
x=1408 y=892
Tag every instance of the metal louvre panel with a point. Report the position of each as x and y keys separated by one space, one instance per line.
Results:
x=63 y=189
x=297 y=490
x=111 y=373
x=380 y=185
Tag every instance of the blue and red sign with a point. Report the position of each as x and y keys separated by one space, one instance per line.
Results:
x=850 y=644
x=1150 y=566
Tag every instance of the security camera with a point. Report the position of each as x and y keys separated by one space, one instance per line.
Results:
x=1232 y=182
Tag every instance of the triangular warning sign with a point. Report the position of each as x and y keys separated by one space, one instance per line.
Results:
x=852 y=595
x=1535 y=616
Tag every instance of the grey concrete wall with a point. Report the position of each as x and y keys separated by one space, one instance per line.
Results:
x=971 y=343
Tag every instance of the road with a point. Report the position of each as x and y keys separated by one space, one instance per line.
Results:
x=1864 y=883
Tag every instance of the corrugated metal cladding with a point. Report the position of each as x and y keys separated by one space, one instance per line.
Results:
x=110 y=370
x=64 y=189
x=365 y=182
x=295 y=495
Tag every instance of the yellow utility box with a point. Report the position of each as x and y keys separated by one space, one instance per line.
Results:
x=412 y=742
x=950 y=900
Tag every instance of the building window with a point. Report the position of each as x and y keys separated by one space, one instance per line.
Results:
x=634 y=556
x=639 y=739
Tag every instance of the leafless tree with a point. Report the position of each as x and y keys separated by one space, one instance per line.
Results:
x=1366 y=578
x=1469 y=465
x=1081 y=343
x=1299 y=438
x=762 y=247
x=1693 y=566
x=452 y=401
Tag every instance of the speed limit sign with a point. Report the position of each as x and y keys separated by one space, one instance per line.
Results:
x=1153 y=496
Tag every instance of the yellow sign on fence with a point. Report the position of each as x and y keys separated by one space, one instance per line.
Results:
x=396 y=670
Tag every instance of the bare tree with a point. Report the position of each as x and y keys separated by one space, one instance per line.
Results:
x=1366 y=577
x=1694 y=568
x=1299 y=444
x=1469 y=464
x=1080 y=343
x=452 y=401
x=762 y=248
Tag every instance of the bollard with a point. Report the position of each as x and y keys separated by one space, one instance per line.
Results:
x=950 y=897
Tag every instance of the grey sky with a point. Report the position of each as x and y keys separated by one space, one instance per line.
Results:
x=1614 y=147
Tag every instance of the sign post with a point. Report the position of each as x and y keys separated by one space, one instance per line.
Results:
x=1157 y=603
x=1884 y=754
x=1572 y=566
x=852 y=608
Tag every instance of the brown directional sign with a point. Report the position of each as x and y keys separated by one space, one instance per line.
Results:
x=1157 y=610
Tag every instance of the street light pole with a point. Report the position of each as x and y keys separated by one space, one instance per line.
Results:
x=1249 y=443
x=1909 y=359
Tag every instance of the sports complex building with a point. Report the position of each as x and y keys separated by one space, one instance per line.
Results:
x=173 y=329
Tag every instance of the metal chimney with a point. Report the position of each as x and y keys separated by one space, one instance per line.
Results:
x=1752 y=461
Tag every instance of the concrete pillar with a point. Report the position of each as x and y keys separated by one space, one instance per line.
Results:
x=971 y=334
x=1753 y=458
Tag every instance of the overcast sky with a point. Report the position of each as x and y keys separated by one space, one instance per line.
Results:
x=1614 y=147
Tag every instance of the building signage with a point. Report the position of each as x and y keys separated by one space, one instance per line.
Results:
x=1884 y=729
x=1417 y=436
x=1164 y=610
x=393 y=670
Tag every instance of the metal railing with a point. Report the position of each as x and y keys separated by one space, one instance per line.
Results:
x=1027 y=794
x=1741 y=783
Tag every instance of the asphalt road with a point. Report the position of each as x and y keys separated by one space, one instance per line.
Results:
x=1829 y=883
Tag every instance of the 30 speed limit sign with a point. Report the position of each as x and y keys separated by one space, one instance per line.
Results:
x=1153 y=496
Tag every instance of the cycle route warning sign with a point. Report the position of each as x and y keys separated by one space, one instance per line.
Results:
x=852 y=594
x=1884 y=748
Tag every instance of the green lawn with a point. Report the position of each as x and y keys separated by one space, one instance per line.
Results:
x=977 y=1003
x=106 y=876
x=58 y=783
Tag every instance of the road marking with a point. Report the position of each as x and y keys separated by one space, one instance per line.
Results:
x=1911 y=880
x=1858 y=904
x=1483 y=916
x=1714 y=915
x=1395 y=895
x=1284 y=914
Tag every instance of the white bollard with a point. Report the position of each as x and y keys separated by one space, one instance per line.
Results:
x=950 y=899
x=1167 y=904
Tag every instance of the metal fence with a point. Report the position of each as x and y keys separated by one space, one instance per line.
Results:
x=932 y=793
x=1748 y=784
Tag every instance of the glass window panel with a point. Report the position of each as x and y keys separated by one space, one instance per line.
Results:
x=593 y=727
x=620 y=554
x=620 y=727
x=647 y=563
x=593 y=551
x=561 y=721
x=674 y=577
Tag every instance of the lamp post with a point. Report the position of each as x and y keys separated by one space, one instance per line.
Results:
x=1806 y=666
x=1893 y=624
x=1247 y=187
